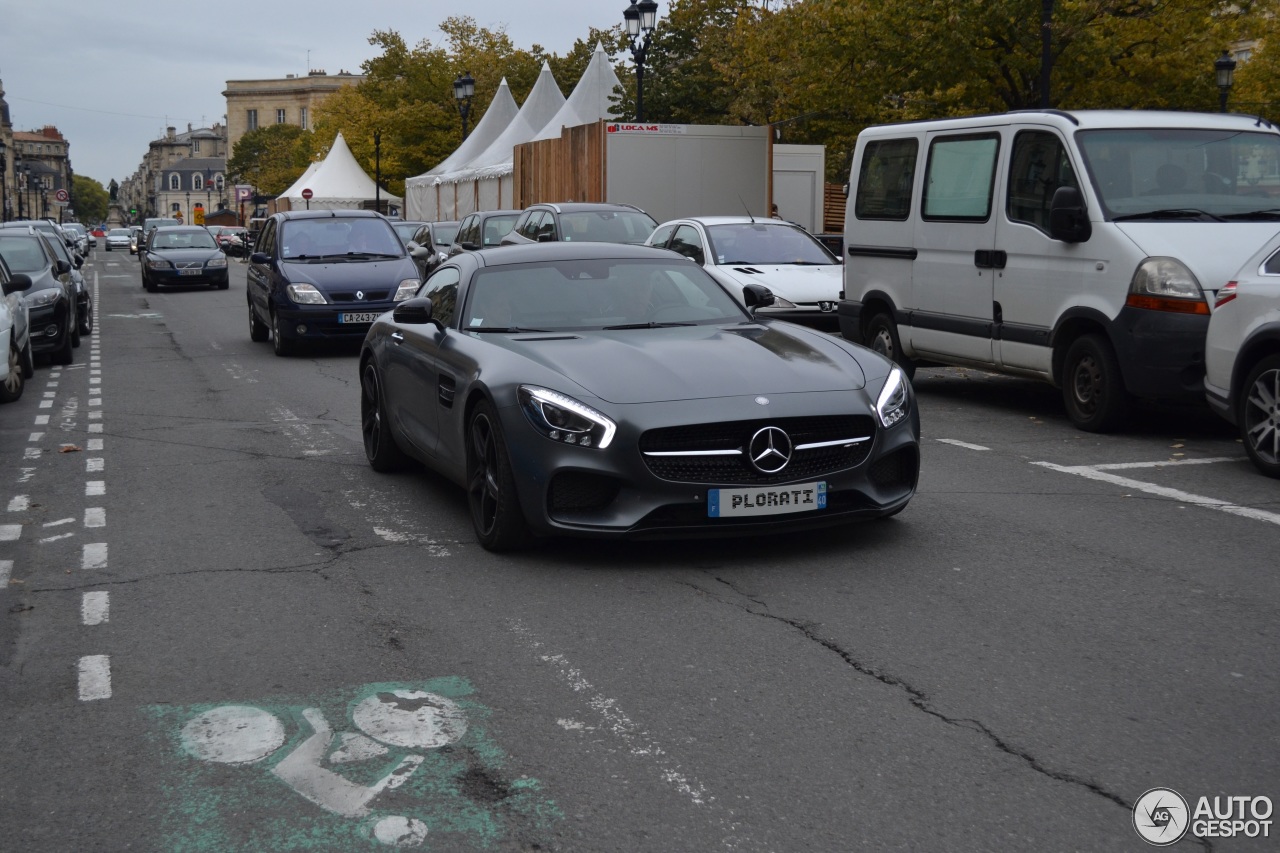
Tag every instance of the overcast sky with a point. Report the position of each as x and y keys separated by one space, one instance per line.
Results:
x=111 y=76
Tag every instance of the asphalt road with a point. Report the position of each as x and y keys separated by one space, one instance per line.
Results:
x=214 y=604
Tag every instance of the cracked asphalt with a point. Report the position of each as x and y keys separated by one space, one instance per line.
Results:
x=1007 y=665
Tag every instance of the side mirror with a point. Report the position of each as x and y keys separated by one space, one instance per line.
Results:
x=756 y=296
x=413 y=311
x=546 y=237
x=420 y=253
x=61 y=267
x=17 y=283
x=468 y=245
x=259 y=258
x=1068 y=217
x=79 y=260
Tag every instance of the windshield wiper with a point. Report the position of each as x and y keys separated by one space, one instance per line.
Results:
x=1269 y=215
x=367 y=255
x=646 y=326
x=504 y=329
x=1171 y=213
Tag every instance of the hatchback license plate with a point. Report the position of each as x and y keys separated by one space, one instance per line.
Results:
x=367 y=317
x=190 y=272
x=766 y=500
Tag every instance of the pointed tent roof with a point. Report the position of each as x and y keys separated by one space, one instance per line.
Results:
x=501 y=112
x=338 y=177
x=589 y=101
x=296 y=188
x=544 y=101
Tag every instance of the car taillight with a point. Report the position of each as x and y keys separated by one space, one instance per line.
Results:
x=1225 y=295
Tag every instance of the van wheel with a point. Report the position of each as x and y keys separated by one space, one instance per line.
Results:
x=1092 y=385
x=882 y=337
x=1259 y=416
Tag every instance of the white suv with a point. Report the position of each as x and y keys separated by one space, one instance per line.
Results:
x=1242 y=356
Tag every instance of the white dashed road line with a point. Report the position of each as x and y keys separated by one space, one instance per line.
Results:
x=95 y=677
x=958 y=443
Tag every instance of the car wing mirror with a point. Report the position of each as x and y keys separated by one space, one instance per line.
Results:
x=469 y=246
x=756 y=296
x=17 y=282
x=420 y=253
x=259 y=258
x=1068 y=216
x=79 y=261
x=61 y=266
x=416 y=310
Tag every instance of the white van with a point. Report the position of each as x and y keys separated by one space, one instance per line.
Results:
x=1082 y=248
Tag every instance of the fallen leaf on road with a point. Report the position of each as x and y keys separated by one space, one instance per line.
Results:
x=70 y=448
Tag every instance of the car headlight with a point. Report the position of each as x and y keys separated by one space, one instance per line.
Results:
x=158 y=264
x=779 y=302
x=305 y=294
x=891 y=405
x=564 y=419
x=41 y=298
x=217 y=263
x=406 y=289
x=1165 y=284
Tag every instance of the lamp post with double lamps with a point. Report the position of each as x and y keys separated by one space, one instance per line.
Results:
x=1224 y=68
x=377 y=170
x=463 y=89
x=640 y=19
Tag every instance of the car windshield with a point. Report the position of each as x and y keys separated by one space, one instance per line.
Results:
x=606 y=226
x=765 y=242
x=1184 y=173
x=406 y=230
x=119 y=232
x=182 y=240
x=497 y=227
x=23 y=253
x=337 y=239
x=596 y=294
x=445 y=232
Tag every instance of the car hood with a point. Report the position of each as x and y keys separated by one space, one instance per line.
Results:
x=372 y=274
x=799 y=283
x=693 y=362
x=1213 y=251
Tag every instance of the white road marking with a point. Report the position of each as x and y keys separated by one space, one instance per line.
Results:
x=95 y=401
x=95 y=677
x=10 y=532
x=27 y=474
x=51 y=394
x=94 y=444
x=36 y=436
x=20 y=503
x=963 y=444
x=94 y=416
x=31 y=453
x=94 y=488
x=1092 y=473
x=49 y=539
x=95 y=608
x=42 y=420
x=94 y=464
x=59 y=522
x=95 y=427
x=46 y=404
x=95 y=517
x=94 y=556
x=1120 y=466
x=6 y=570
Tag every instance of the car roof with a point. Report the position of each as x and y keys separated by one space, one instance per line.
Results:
x=526 y=253
x=733 y=220
x=169 y=229
x=330 y=214
x=576 y=206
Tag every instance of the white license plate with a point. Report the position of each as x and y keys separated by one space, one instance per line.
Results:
x=766 y=500
x=190 y=272
x=367 y=317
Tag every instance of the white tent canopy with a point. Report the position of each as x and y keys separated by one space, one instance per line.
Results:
x=337 y=181
x=543 y=103
x=589 y=101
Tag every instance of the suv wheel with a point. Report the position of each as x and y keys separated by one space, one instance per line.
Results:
x=1259 y=416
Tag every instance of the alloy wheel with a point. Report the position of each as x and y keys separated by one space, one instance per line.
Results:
x=483 y=491
x=1262 y=416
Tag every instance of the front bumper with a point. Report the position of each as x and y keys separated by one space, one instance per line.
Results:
x=1161 y=354
x=323 y=322
x=174 y=278
x=568 y=490
x=44 y=319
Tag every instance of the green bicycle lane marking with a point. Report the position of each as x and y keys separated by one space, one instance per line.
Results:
x=407 y=765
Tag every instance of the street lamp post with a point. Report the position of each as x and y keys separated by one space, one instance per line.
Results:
x=463 y=88
x=208 y=193
x=377 y=170
x=186 y=216
x=19 y=185
x=640 y=19
x=4 y=181
x=1225 y=70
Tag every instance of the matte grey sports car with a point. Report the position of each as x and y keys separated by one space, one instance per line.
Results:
x=600 y=389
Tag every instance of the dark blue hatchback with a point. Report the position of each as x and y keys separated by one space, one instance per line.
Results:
x=325 y=275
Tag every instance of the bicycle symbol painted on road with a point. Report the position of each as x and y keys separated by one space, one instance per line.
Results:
x=408 y=762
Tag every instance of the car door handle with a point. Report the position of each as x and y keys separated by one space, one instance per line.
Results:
x=397 y=337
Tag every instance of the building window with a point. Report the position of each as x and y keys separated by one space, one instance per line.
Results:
x=253 y=119
x=175 y=182
x=175 y=207
x=302 y=118
x=195 y=146
x=280 y=118
x=197 y=182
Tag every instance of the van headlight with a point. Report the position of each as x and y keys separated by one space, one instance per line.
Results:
x=305 y=294
x=562 y=418
x=1165 y=284
x=893 y=403
x=406 y=289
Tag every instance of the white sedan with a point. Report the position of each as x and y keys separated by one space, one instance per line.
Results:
x=803 y=275
x=1242 y=356
x=118 y=238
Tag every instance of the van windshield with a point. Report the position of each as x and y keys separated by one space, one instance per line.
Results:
x=1184 y=173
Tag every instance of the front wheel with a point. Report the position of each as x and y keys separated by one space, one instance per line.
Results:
x=15 y=379
x=63 y=354
x=258 y=330
x=1259 y=417
x=379 y=444
x=882 y=337
x=86 y=322
x=1092 y=385
x=491 y=487
x=283 y=346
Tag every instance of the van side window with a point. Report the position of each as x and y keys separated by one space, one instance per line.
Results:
x=1038 y=166
x=960 y=177
x=885 y=179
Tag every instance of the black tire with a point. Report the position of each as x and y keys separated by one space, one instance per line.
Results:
x=147 y=285
x=882 y=337
x=224 y=285
x=63 y=354
x=75 y=333
x=282 y=345
x=1259 y=415
x=1093 y=386
x=14 y=379
x=491 y=487
x=28 y=360
x=380 y=446
x=86 y=322
x=259 y=331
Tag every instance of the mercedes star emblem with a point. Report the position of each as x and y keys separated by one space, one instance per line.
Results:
x=770 y=450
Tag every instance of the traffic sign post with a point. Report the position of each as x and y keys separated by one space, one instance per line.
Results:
x=306 y=194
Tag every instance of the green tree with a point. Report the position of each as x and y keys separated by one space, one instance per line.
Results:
x=270 y=158
x=90 y=199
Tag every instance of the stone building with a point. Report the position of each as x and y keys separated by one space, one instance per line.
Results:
x=252 y=104
x=151 y=190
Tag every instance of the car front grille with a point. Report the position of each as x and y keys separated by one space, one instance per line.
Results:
x=718 y=452
x=369 y=296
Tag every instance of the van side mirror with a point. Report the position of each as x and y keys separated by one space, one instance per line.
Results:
x=1068 y=217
